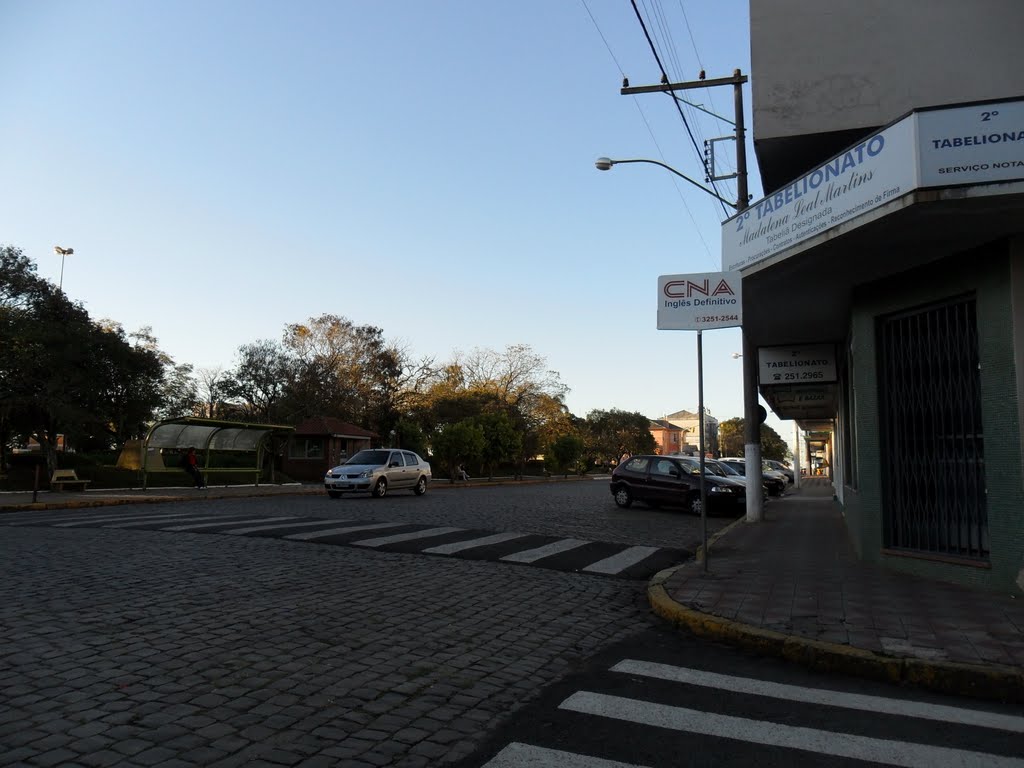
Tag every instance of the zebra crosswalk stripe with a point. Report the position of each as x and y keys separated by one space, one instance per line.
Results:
x=88 y=520
x=621 y=561
x=399 y=537
x=460 y=546
x=518 y=755
x=884 y=751
x=258 y=528
x=533 y=555
x=899 y=707
x=311 y=535
x=195 y=527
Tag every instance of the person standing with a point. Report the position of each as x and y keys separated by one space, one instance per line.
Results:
x=192 y=467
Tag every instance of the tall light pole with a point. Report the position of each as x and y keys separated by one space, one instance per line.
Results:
x=62 y=252
x=752 y=412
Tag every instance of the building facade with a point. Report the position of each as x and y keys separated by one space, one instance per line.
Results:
x=883 y=273
x=323 y=442
x=691 y=423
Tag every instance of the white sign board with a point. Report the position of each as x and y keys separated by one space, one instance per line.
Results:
x=699 y=302
x=971 y=145
x=810 y=364
x=878 y=169
x=979 y=144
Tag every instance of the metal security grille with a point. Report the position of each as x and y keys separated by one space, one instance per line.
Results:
x=933 y=460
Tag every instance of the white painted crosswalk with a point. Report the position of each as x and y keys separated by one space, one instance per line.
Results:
x=812 y=735
x=517 y=755
x=427 y=533
x=568 y=554
x=539 y=553
x=899 y=707
x=884 y=751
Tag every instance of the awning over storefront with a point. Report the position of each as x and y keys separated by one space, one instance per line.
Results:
x=927 y=186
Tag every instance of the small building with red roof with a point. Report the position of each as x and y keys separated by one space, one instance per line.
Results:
x=322 y=442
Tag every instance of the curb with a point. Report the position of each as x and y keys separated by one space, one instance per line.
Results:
x=108 y=501
x=993 y=682
x=121 y=501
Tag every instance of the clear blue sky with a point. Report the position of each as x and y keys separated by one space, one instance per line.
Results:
x=222 y=169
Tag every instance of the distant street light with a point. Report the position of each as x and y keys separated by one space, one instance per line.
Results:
x=62 y=252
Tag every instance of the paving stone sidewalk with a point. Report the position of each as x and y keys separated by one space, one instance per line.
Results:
x=793 y=585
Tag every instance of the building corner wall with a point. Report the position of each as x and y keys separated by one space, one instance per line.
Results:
x=995 y=273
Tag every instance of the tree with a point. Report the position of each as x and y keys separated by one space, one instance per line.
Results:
x=343 y=370
x=210 y=382
x=260 y=381
x=128 y=375
x=772 y=445
x=63 y=374
x=518 y=382
x=178 y=395
x=732 y=440
x=565 y=453
x=611 y=435
x=458 y=443
x=501 y=440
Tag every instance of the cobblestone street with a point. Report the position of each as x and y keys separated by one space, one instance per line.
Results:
x=135 y=647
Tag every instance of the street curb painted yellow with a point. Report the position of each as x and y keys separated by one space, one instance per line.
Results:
x=996 y=682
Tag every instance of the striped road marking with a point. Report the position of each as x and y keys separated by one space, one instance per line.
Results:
x=533 y=555
x=517 y=755
x=256 y=529
x=778 y=735
x=621 y=561
x=225 y=522
x=898 y=707
x=336 y=531
x=87 y=520
x=143 y=522
x=486 y=541
x=426 y=534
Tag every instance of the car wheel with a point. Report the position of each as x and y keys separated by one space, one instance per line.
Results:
x=421 y=486
x=334 y=494
x=695 y=505
x=380 y=488
x=623 y=497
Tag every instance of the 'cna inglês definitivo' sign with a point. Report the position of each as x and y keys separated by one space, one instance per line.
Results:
x=698 y=302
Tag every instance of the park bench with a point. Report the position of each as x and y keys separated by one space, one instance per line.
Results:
x=67 y=477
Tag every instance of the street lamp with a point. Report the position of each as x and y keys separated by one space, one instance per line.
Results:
x=62 y=252
x=606 y=163
x=752 y=411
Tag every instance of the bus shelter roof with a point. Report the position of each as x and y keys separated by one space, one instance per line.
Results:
x=212 y=434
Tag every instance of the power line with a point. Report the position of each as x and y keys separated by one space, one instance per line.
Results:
x=679 y=109
x=647 y=124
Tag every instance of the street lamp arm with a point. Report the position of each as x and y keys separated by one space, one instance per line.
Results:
x=605 y=164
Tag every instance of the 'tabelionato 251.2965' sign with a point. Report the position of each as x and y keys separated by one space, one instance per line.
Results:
x=699 y=302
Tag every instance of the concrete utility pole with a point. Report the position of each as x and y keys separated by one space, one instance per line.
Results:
x=752 y=411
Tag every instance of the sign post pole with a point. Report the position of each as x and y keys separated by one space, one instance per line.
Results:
x=700 y=442
x=696 y=303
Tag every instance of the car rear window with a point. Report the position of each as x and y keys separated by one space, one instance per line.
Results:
x=410 y=459
x=637 y=464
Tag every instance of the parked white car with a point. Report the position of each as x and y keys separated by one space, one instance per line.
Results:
x=379 y=470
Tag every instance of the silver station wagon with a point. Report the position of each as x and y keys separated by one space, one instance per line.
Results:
x=379 y=470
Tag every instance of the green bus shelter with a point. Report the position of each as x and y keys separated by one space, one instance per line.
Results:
x=209 y=437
